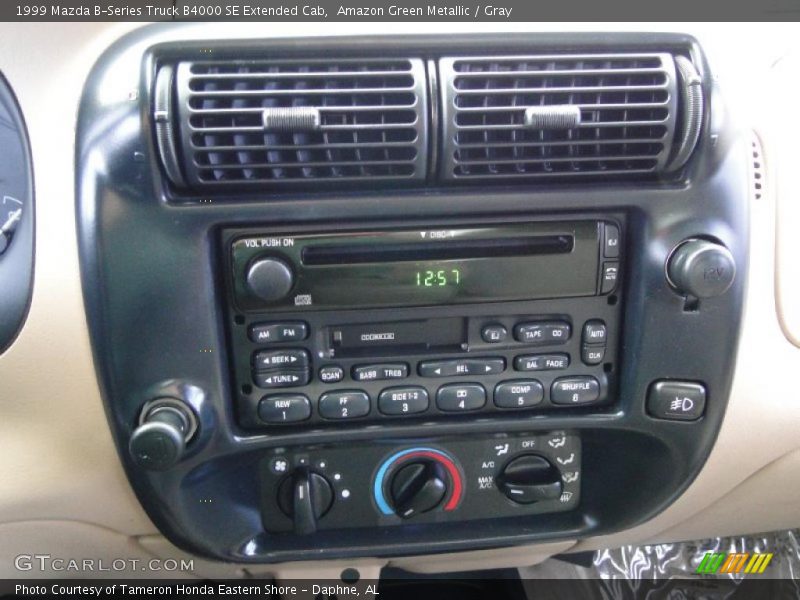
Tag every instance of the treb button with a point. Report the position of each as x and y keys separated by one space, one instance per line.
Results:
x=380 y=372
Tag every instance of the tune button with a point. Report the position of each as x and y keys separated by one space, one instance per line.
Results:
x=575 y=390
x=542 y=332
x=284 y=408
x=541 y=362
x=518 y=394
x=461 y=397
x=400 y=401
x=331 y=374
x=271 y=333
x=380 y=372
x=283 y=378
x=349 y=404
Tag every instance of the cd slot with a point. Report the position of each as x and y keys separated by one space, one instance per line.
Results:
x=350 y=254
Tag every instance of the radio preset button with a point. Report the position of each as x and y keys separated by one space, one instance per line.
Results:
x=575 y=390
x=542 y=332
x=611 y=241
x=541 y=362
x=271 y=333
x=594 y=332
x=403 y=401
x=494 y=333
x=610 y=275
x=518 y=394
x=283 y=378
x=380 y=372
x=461 y=397
x=466 y=366
x=284 y=408
x=331 y=374
x=279 y=359
x=344 y=405
x=593 y=355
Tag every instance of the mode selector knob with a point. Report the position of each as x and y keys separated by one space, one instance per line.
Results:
x=271 y=279
x=418 y=487
x=530 y=478
x=701 y=268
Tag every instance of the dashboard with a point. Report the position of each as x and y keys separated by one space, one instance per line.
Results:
x=489 y=297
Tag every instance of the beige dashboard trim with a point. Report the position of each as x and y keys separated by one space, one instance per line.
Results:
x=59 y=462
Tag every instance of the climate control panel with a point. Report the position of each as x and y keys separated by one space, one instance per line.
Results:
x=384 y=484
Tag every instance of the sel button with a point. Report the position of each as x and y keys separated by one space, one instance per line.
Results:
x=575 y=390
x=344 y=405
x=284 y=408
x=458 y=397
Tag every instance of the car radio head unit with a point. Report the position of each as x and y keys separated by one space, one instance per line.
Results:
x=341 y=328
x=421 y=267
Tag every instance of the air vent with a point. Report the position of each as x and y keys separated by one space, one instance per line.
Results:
x=277 y=123
x=562 y=116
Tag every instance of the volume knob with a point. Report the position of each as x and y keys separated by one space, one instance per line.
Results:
x=271 y=279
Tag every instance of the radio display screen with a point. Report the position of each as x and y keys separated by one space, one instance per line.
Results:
x=425 y=266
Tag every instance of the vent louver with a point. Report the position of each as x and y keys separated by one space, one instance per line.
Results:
x=275 y=123
x=558 y=116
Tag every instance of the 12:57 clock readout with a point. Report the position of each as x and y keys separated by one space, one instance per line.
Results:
x=438 y=278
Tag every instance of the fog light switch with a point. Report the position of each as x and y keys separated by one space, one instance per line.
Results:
x=676 y=400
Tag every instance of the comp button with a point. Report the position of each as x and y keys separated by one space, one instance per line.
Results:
x=518 y=394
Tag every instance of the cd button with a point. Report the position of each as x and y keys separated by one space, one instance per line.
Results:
x=461 y=397
x=541 y=362
x=284 y=408
x=285 y=378
x=469 y=366
x=518 y=394
x=292 y=359
x=331 y=374
x=380 y=372
x=575 y=390
x=403 y=401
x=344 y=405
x=544 y=332
x=270 y=333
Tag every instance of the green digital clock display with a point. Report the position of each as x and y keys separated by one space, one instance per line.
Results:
x=438 y=278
